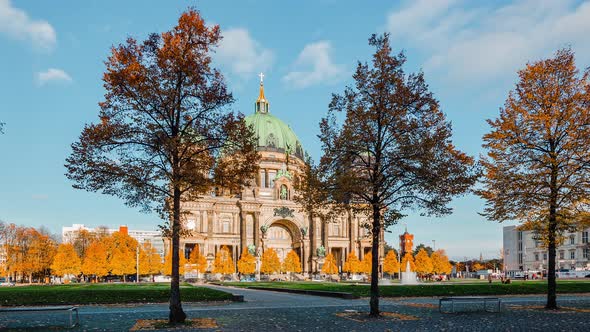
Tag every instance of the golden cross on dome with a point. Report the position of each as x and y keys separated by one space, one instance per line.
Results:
x=261 y=75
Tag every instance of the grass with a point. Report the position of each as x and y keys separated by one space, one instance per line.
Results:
x=444 y=289
x=103 y=294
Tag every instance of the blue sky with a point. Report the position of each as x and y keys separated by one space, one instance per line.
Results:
x=52 y=61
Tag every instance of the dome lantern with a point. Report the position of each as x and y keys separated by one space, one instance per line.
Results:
x=261 y=105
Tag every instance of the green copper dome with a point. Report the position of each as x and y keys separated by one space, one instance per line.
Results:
x=273 y=134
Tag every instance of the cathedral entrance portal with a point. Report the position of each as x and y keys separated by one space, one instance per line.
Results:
x=280 y=237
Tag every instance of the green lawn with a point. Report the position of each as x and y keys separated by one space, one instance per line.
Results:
x=103 y=294
x=444 y=289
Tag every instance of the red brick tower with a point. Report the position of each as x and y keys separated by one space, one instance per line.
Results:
x=406 y=243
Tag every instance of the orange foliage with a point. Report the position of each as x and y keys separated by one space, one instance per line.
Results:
x=329 y=266
x=292 y=262
x=223 y=263
x=270 y=262
x=197 y=259
x=408 y=258
x=96 y=260
x=352 y=264
x=367 y=263
x=390 y=264
x=66 y=261
x=247 y=263
x=150 y=261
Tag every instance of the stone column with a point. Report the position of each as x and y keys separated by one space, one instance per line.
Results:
x=266 y=179
x=256 y=229
x=210 y=223
x=243 y=235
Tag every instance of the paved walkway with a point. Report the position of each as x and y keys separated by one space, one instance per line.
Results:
x=274 y=311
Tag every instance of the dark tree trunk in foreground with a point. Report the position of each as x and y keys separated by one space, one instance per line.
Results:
x=393 y=150
x=176 y=312
x=376 y=234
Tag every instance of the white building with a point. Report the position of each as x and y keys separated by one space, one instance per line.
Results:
x=523 y=253
x=142 y=236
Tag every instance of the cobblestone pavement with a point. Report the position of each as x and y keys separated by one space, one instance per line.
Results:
x=273 y=311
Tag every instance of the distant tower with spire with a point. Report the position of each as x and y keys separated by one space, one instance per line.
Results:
x=406 y=242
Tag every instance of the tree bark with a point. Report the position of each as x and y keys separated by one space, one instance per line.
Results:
x=177 y=315
x=376 y=229
x=551 y=282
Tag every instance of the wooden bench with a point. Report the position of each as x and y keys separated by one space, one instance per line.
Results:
x=69 y=309
x=470 y=299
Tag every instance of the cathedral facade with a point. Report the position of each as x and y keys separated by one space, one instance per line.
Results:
x=264 y=214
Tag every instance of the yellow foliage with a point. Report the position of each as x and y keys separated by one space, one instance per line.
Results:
x=477 y=266
x=247 y=263
x=197 y=259
x=423 y=263
x=408 y=258
x=150 y=261
x=168 y=263
x=440 y=262
x=330 y=265
x=352 y=264
x=66 y=261
x=96 y=260
x=367 y=263
x=223 y=263
x=123 y=251
x=390 y=263
x=292 y=262
x=270 y=262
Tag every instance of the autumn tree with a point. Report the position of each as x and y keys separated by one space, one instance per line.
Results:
x=538 y=161
x=408 y=258
x=247 y=263
x=352 y=264
x=198 y=259
x=81 y=240
x=66 y=261
x=477 y=266
x=95 y=262
x=421 y=246
x=390 y=263
x=150 y=262
x=329 y=266
x=440 y=262
x=270 y=262
x=367 y=263
x=423 y=263
x=168 y=263
x=292 y=264
x=165 y=134
x=393 y=150
x=223 y=263
x=123 y=259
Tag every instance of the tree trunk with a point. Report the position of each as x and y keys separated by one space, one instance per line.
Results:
x=551 y=282
x=376 y=229
x=177 y=315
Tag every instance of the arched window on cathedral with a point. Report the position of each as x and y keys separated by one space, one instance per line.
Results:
x=271 y=140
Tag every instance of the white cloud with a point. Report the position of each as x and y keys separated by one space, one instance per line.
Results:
x=317 y=66
x=243 y=55
x=51 y=75
x=17 y=24
x=474 y=41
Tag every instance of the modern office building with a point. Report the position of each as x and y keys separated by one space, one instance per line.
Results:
x=522 y=252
